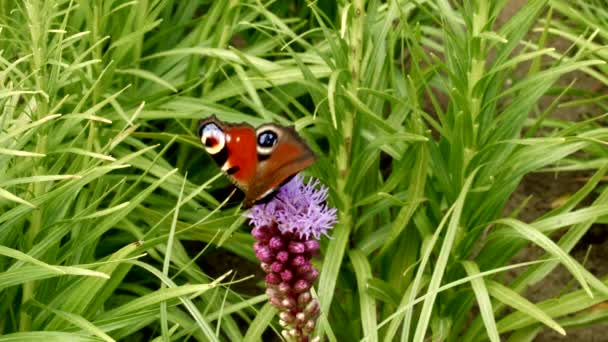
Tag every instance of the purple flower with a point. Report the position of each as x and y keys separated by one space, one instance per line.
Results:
x=287 y=230
x=297 y=208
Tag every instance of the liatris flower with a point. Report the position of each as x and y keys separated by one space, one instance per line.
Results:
x=287 y=230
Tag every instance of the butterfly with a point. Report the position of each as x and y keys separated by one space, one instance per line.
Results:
x=257 y=160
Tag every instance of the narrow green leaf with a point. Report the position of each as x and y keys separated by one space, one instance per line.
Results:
x=147 y=75
x=24 y=128
x=36 y=179
x=47 y=336
x=262 y=320
x=514 y=300
x=82 y=323
x=9 y=196
x=534 y=235
x=442 y=260
x=367 y=303
x=19 y=153
x=483 y=300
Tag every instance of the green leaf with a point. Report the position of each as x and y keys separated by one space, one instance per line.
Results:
x=49 y=336
x=442 y=260
x=483 y=300
x=534 y=235
x=262 y=320
x=11 y=197
x=514 y=300
x=367 y=303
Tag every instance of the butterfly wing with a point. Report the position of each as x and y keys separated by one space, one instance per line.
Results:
x=256 y=165
x=290 y=156
x=233 y=148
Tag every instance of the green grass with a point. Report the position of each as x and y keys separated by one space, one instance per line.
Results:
x=426 y=115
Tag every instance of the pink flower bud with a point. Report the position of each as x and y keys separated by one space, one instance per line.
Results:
x=297 y=247
x=260 y=233
x=277 y=267
x=286 y=275
x=312 y=246
x=283 y=256
x=299 y=260
x=304 y=269
x=264 y=254
x=276 y=243
x=301 y=285
x=273 y=278
x=257 y=245
x=284 y=287
x=312 y=275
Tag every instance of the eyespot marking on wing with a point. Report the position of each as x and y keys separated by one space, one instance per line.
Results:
x=267 y=138
x=213 y=138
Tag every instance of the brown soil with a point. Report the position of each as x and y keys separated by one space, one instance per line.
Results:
x=591 y=251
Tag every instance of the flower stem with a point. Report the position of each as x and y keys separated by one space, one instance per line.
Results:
x=336 y=249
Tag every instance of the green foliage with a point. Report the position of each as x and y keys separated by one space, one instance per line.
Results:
x=426 y=115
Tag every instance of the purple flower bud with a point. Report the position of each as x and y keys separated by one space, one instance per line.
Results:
x=283 y=256
x=312 y=246
x=304 y=269
x=277 y=267
x=301 y=285
x=257 y=245
x=273 y=278
x=297 y=247
x=264 y=254
x=284 y=287
x=299 y=260
x=312 y=275
x=260 y=233
x=287 y=275
x=276 y=243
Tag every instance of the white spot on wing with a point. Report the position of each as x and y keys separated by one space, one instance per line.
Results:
x=226 y=166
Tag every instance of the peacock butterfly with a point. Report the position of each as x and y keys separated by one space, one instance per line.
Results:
x=258 y=160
